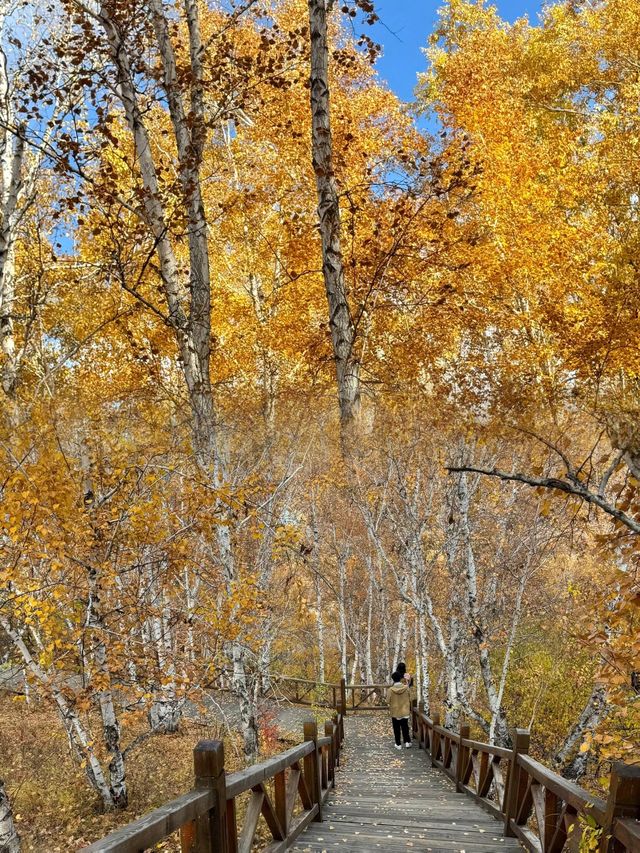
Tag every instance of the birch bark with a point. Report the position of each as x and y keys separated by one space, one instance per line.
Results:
x=341 y=325
x=9 y=840
x=592 y=714
x=499 y=728
x=79 y=738
x=342 y=615
x=190 y=318
x=12 y=153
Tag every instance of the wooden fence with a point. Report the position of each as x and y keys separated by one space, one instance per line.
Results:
x=347 y=697
x=547 y=813
x=300 y=780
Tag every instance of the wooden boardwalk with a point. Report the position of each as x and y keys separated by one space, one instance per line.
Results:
x=387 y=800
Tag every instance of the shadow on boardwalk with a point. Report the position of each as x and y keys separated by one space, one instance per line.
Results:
x=387 y=800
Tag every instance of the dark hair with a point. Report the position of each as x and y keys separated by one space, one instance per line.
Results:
x=401 y=668
x=396 y=677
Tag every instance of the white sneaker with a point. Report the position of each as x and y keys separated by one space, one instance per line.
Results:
x=398 y=746
x=407 y=746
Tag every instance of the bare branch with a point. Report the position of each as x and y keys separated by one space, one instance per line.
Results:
x=570 y=488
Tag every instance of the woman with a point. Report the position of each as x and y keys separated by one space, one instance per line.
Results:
x=399 y=700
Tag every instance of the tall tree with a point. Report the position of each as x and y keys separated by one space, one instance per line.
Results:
x=341 y=323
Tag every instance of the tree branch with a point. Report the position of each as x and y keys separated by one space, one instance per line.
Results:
x=553 y=483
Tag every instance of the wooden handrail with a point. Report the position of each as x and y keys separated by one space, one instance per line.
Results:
x=155 y=826
x=206 y=816
x=563 y=788
x=244 y=780
x=492 y=749
x=536 y=805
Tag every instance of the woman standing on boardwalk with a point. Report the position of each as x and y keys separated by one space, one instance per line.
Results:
x=399 y=700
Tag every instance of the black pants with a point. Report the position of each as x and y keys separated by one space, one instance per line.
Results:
x=401 y=726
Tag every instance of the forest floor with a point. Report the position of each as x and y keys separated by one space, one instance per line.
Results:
x=54 y=808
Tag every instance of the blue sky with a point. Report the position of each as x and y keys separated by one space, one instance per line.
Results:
x=404 y=28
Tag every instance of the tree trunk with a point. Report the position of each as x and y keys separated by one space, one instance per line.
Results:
x=368 y=663
x=342 y=566
x=591 y=716
x=12 y=149
x=108 y=714
x=515 y=620
x=79 y=738
x=9 y=840
x=317 y=579
x=425 y=676
x=165 y=713
x=191 y=324
x=499 y=722
x=400 y=643
x=320 y=629
x=343 y=333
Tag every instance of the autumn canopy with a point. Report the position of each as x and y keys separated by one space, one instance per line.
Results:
x=290 y=385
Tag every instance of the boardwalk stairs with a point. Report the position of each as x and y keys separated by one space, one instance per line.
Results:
x=348 y=788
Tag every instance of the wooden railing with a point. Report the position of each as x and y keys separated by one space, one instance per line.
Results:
x=547 y=813
x=288 y=790
x=346 y=697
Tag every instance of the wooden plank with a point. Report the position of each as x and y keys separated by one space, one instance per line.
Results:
x=567 y=791
x=271 y=818
x=627 y=832
x=498 y=778
x=156 y=825
x=244 y=780
x=292 y=790
x=489 y=806
x=251 y=818
x=487 y=748
x=529 y=839
x=301 y=823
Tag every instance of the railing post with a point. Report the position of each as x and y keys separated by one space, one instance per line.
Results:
x=623 y=801
x=419 y=713
x=328 y=730
x=312 y=767
x=280 y=796
x=343 y=696
x=211 y=829
x=435 y=738
x=460 y=757
x=336 y=738
x=414 y=719
x=515 y=780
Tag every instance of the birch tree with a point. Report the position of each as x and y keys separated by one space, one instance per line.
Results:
x=9 y=839
x=341 y=324
x=186 y=292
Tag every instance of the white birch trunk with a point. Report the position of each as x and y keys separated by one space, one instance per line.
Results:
x=368 y=662
x=401 y=637
x=192 y=327
x=79 y=739
x=164 y=713
x=342 y=615
x=340 y=321
x=591 y=716
x=320 y=629
x=424 y=685
x=12 y=150
x=9 y=840
x=515 y=621
x=315 y=565
x=190 y=592
x=479 y=633
x=110 y=722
